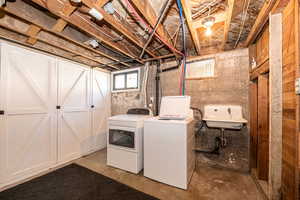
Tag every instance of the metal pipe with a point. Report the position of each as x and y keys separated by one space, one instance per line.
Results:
x=159 y=20
x=117 y=62
x=157 y=82
x=158 y=58
x=133 y=59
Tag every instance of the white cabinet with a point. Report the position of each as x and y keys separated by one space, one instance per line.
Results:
x=35 y=134
x=28 y=128
x=101 y=102
x=74 y=114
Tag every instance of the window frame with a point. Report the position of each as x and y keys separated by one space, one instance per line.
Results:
x=125 y=73
x=203 y=77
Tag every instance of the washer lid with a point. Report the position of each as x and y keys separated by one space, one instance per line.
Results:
x=129 y=117
x=175 y=107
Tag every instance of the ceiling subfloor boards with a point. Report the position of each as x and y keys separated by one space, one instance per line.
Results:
x=35 y=33
x=188 y=15
x=260 y=21
x=229 y=12
x=16 y=9
x=87 y=26
x=118 y=26
x=145 y=8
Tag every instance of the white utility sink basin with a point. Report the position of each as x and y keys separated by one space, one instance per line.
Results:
x=224 y=116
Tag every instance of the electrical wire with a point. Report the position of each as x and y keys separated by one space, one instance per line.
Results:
x=243 y=22
x=139 y=18
x=183 y=73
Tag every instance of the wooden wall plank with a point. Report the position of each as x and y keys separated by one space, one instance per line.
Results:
x=263 y=127
x=290 y=69
x=253 y=124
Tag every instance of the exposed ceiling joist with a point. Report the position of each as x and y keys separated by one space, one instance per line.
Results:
x=32 y=32
x=101 y=3
x=146 y=9
x=60 y=25
x=229 y=12
x=16 y=10
x=188 y=15
x=260 y=21
x=68 y=9
x=90 y=28
x=48 y=41
x=15 y=37
x=118 y=26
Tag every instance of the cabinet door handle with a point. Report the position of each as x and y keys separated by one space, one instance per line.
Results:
x=2 y=112
x=92 y=106
x=58 y=107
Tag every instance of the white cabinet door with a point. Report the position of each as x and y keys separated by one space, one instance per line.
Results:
x=28 y=128
x=74 y=118
x=101 y=98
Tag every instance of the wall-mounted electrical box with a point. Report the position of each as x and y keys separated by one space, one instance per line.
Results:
x=297 y=86
x=2 y=2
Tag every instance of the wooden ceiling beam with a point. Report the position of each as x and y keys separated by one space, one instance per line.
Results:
x=17 y=38
x=16 y=25
x=68 y=9
x=50 y=43
x=32 y=32
x=60 y=25
x=188 y=15
x=146 y=9
x=260 y=21
x=118 y=26
x=90 y=28
x=101 y=3
x=15 y=11
x=229 y=13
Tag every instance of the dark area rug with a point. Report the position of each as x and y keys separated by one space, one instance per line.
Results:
x=73 y=182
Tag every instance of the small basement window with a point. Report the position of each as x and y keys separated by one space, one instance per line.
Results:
x=201 y=69
x=126 y=80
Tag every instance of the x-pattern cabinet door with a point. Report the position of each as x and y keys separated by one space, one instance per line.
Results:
x=74 y=112
x=101 y=98
x=28 y=126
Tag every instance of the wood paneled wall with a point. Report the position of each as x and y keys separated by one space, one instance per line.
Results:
x=253 y=124
x=260 y=52
x=262 y=47
x=259 y=97
x=290 y=124
x=263 y=127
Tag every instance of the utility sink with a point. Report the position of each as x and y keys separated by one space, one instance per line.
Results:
x=224 y=116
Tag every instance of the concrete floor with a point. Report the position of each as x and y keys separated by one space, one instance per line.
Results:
x=207 y=183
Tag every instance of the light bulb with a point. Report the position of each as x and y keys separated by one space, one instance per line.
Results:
x=76 y=1
x=208 y=32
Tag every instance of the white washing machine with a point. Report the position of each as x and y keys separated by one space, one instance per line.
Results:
x=169 y=141
x=125 y=140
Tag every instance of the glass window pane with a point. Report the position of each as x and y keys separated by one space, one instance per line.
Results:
x=132 y=80
x=119 y=81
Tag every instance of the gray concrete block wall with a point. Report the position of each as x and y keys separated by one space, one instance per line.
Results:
x=229 y=86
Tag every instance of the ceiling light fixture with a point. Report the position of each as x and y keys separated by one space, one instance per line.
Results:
x=96 y=14
x=208 y=22
x=93 y=43
x=208 y=31
x=76 y=1
x=109 y=8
